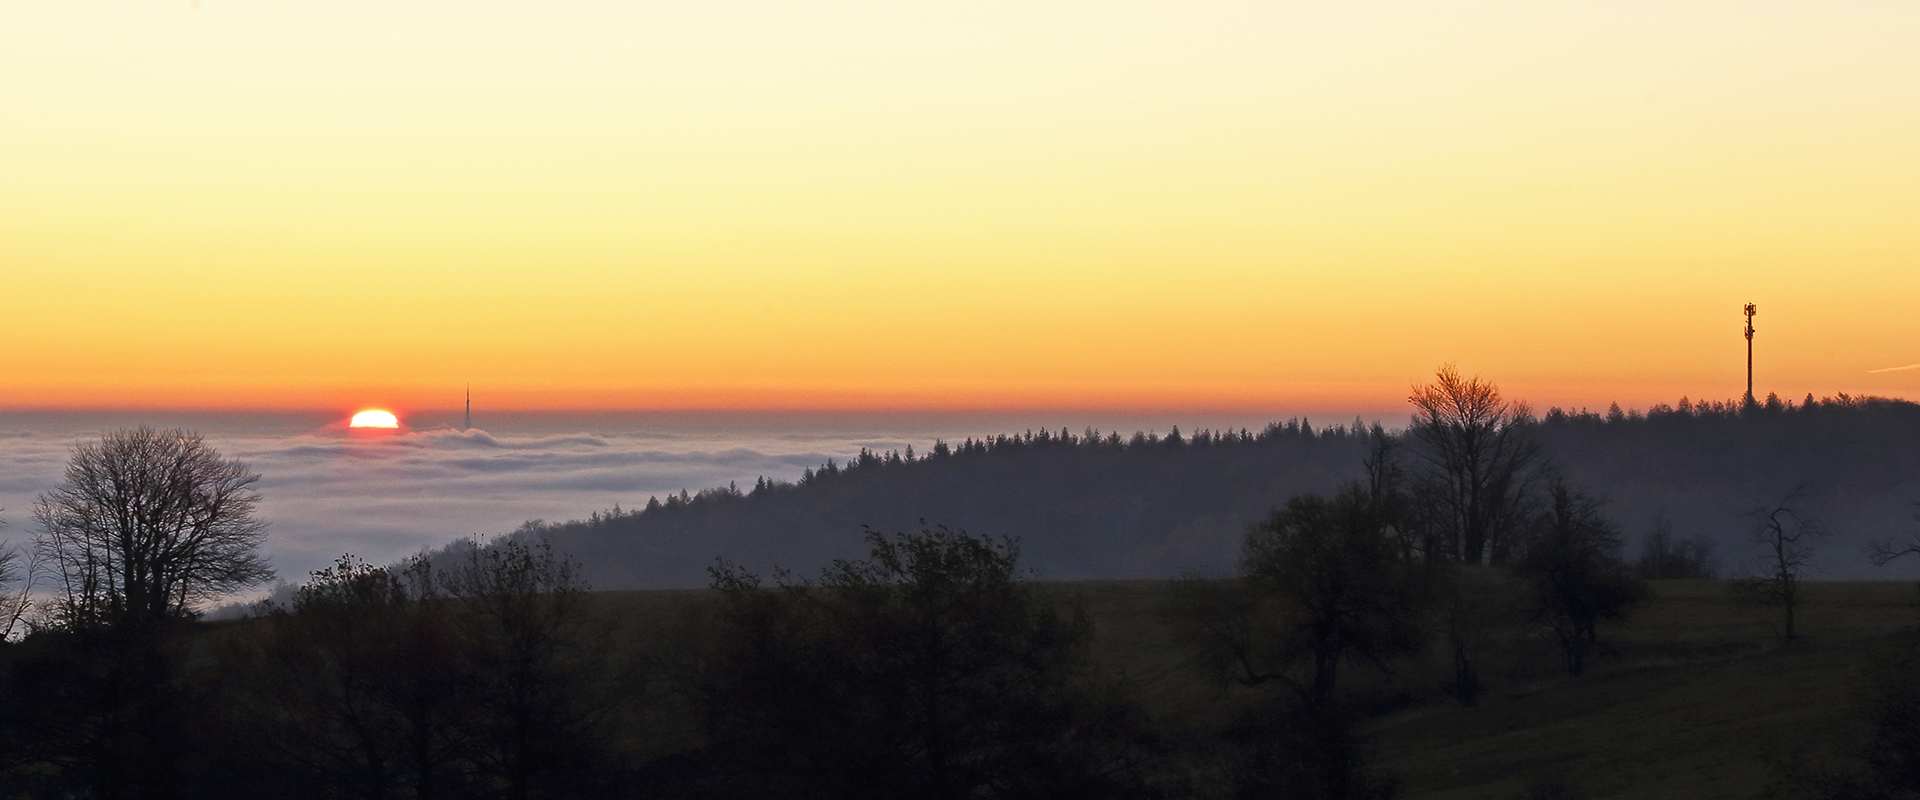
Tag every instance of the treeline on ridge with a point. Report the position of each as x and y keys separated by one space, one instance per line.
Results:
x=1094 y=505
x=1085 y=505
x=1441 y=568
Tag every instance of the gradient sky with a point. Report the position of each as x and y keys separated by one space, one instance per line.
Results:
x=1070 y=204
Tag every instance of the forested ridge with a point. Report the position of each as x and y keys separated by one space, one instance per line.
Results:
x=1100 y=505
x=1463 y=588
x=1082 y=505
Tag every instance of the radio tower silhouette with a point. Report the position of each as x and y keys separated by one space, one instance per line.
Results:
x=469 y=425
x=1750 y=313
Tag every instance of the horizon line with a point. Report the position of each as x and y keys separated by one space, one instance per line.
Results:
x=887 y=410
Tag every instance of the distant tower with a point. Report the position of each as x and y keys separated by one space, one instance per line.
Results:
x=469 y=424
x=1750 y=354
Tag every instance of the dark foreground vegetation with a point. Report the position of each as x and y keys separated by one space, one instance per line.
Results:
x=669 y=694
x=1456 y=616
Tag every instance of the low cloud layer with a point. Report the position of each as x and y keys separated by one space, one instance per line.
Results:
x=383 y=496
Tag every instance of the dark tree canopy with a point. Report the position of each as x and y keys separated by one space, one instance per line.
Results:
x=1345 y=590
x=928 y=669
x=357 y=686
x=1574 y=567
x=482 y=679
x=525 y=623
x=1323 y=582
x=1662 y=556
x=147 y=524
x=1890 y=696
x=1471 y=604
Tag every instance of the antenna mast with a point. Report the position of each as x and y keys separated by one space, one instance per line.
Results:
x=1750 y=313
x=469 y=424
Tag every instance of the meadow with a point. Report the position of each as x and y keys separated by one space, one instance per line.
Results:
x=1692 y=696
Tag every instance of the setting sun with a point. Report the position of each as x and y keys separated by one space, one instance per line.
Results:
x=374 y=419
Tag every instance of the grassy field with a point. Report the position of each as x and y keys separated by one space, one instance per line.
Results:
x=1693 y=696
x=1696 y=700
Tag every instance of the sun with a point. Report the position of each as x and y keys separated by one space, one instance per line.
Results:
x=374 y=418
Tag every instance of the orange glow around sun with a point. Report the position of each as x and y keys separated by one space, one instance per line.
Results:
x=374 y=419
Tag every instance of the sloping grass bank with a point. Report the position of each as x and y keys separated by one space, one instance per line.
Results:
x=1693 y=696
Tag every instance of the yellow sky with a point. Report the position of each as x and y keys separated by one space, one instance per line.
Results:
x=1195 y=204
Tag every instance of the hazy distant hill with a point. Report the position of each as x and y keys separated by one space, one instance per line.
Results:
x=1089 y=505
x=1082 y=505
x=1704 y=468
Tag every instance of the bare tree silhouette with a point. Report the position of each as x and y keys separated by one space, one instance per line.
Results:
x=146 y=524
x=16 y=587
x=1883 y=551
x=1477 y=453
x=1786 y=531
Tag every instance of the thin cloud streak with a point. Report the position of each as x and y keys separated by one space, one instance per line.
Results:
x=1894 y=369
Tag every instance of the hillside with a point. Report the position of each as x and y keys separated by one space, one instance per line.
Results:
x=1083 y=506
x=1704 y=468
x=1100 y=506
x=1692 y=696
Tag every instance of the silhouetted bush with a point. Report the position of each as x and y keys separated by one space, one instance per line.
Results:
x=928 y=669
x=1662 y=557
x=485 y=679
x=1340 y=588
x=1308 y=753
x=1573 y=566
x=1890 y=697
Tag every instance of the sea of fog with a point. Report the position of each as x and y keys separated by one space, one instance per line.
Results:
x=328 y=491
